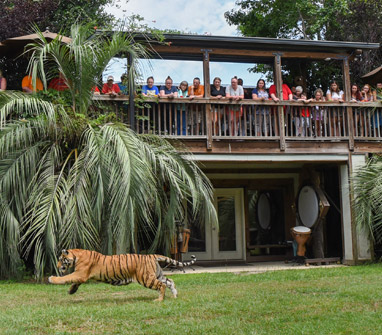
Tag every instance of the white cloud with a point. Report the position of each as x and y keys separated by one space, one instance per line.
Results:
x=197 y=16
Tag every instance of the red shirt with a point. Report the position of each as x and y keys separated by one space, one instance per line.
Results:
x=286 y=91
x=58 y=84
x=114 y=89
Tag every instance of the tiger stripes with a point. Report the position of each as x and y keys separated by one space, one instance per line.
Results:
x=117 y=270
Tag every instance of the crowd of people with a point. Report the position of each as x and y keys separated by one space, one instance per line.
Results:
x=234 y=92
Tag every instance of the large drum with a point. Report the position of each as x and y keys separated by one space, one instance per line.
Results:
x=312 y=205
x=264 y=211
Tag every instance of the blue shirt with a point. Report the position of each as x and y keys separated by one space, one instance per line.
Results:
x=171 y=90
x=123 y=88
x=153 y=91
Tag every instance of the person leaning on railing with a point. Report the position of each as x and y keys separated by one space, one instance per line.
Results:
x=181 y=109
x=111 y=89
x=335 y=94
x=261 y=123
x=167 y=91
x=318 y=113
x=149 y=90
x=235 y=93
x=217 y=92
x=367 y=95
x=302 y=119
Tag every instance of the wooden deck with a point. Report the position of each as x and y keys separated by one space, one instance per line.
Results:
x=222 y=126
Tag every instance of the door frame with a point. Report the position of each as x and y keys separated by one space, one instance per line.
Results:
x=211 y=233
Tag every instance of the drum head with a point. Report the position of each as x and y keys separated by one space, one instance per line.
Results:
x=301 y=229
x=264 y=213
x=308 y=204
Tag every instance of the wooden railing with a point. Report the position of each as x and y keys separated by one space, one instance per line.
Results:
x=214 y=119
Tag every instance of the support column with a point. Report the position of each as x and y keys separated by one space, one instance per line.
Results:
x=131 y=89
x=206 y=72
x=347 y=91
x=207 y=94
x=279 y=92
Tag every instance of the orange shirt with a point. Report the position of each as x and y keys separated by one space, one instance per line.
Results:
x=28 y=82
x=198 y=91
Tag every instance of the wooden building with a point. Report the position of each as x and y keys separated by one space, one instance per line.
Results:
x=260 y=155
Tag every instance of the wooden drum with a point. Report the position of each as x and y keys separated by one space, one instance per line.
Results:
x=301 y=234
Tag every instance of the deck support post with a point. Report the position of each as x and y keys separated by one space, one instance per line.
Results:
x=207 y=93
x=349 y=110
x=279 y=93
x=131 y=89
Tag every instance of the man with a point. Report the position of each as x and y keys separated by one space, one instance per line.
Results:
x=110 y=88
x=28 y=87
x=287 y=93
x=196 y=90
x=235 y=92
x=150 y=90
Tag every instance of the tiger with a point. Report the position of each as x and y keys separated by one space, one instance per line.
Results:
x=116 y=270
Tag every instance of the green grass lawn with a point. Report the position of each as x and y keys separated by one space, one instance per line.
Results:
x=344 y=300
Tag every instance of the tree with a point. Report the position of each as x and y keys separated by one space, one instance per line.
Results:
x=344 y=20
x=72 y=175
x=18 y=16
x=367 y=183
x=287 y=18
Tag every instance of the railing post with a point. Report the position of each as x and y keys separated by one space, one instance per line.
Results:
x=131 y=93
x=209 y=126
x=349 y=110
x=279 y=92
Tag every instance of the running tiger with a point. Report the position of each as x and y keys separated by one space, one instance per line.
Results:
x=115 y=270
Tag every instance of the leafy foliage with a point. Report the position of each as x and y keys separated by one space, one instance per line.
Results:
x=367 y=182
x=72 y=176
x=344 y=20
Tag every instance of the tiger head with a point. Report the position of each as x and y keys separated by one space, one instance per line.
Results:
x=66 y=261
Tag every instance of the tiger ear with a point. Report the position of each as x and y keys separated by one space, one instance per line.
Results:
x=65 y=252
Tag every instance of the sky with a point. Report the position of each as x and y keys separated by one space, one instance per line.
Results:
x=197 y=16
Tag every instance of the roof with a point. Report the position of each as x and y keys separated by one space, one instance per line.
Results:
x=255 y=43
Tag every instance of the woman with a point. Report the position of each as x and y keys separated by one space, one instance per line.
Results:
x=217 y=92
x=367 y=95
x=335 y=115
x=168 y=90
x=3 y=82
x=181 y=117
x=334 y=93
x=261 y=121
x=355 y=94
x=235 y=93
x=150 y=90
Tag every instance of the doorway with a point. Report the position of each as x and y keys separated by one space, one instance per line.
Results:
x=224 y=242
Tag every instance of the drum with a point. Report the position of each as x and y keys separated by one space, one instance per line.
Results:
x=312 y=205
x=264 y=211
x=301 y=234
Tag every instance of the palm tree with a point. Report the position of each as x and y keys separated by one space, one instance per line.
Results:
x=367 y=184
x=74 y=176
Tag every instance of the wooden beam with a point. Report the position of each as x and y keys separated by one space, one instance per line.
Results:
x=252 y=53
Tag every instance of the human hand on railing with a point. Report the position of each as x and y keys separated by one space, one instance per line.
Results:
x=276 y=99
